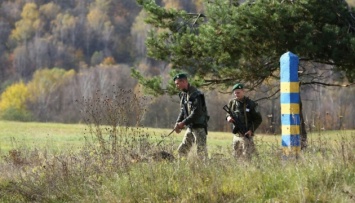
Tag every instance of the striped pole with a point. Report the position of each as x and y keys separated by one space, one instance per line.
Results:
x=290 y=99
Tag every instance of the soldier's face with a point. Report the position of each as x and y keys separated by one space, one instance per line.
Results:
x=181 y=84
x=239 y=93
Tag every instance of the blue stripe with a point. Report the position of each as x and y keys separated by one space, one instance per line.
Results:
x=286 y=98
x=289 y=67
x=290 y=119
x=291 y=141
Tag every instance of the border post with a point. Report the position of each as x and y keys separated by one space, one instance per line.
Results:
x=290 y=108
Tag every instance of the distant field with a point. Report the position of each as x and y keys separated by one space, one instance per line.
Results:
x=58 y=136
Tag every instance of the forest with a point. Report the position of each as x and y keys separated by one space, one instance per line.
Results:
x=54 y=54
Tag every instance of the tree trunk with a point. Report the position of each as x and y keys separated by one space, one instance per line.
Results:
x=303 y=135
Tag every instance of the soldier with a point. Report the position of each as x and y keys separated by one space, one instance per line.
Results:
x=247 y=113
x=194 y=115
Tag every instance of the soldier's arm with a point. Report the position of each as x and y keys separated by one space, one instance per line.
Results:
x=230 y=107
x=181 y=113
x=180 y=116
x=256 y=117
x=196 y=109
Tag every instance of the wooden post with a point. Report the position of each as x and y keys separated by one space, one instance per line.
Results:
x=290 y=109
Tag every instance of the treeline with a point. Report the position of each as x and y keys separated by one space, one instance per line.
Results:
x=55 y=53
x=63 y=34
x=69 y=34
x=57 y=95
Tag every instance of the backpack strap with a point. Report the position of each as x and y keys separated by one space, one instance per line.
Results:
x=194 y=95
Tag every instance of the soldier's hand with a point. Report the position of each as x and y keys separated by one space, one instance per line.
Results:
x=177 y=129
x=230 y=119
x=249 y=133
x=180 y=125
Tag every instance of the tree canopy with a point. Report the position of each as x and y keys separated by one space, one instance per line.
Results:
x=243 y=42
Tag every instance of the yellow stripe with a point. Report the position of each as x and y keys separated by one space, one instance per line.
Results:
x=290 y=129
x=291 y=150
x=290 y=108
x=290 y=87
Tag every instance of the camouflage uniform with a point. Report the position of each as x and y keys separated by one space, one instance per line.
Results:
x=193 y=112
x=248 y=113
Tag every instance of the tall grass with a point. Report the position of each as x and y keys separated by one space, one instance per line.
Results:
x=123 y=162
x=320 y=175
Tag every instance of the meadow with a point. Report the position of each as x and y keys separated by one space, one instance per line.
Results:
x=51 y=162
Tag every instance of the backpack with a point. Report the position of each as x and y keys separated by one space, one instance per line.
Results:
x=196 y=94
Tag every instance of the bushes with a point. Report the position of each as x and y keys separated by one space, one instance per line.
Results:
x=14 y=114
x=13 y=103
x=41 y=99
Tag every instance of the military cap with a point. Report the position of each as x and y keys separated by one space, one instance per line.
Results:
x=238 y=86
x=180 y=76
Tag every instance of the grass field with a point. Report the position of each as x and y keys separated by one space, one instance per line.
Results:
x=50 y=162
x=56 y=136
x=50 y=135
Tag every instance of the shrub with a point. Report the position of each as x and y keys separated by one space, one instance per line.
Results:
x=13 y=103
x=114 y=121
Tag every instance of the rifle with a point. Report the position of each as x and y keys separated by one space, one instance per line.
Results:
x=165 y=136
x=238 y=127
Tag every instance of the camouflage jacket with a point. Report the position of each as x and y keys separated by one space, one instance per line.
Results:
x=193 y=110
x=247 y=111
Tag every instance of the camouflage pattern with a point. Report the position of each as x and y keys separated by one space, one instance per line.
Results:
x=243 y=147
x=248 y=113
x=193 y=113
x=194 y=135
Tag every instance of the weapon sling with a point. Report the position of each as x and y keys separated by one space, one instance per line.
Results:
x=245 y=114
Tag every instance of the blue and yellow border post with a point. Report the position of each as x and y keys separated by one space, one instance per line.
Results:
x=290 y=108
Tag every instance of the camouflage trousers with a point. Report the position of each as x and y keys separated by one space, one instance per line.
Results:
x=194 y=135
x=243 y=147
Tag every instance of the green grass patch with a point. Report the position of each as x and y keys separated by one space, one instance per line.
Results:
x=52 y=136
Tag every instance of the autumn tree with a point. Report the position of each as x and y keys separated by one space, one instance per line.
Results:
x=29 y=24
x=45 y=92
x=13 y=103
x=5 y=31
